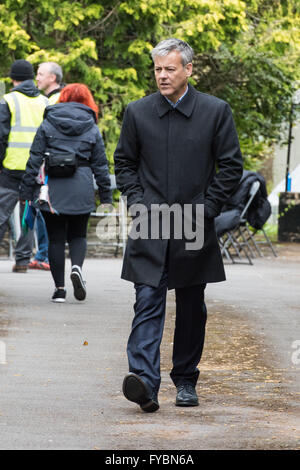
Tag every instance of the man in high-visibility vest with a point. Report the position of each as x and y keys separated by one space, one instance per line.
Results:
x=21 y=113
x=49 y=80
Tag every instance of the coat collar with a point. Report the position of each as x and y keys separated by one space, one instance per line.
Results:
x=185 y=106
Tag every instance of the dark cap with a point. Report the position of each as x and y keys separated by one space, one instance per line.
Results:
x=21 y=70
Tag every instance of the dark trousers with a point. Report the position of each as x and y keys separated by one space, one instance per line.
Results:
x=61 y=229
x=8 y=201
x=143 y=348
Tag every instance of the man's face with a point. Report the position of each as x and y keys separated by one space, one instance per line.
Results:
x=44 y=78
x=171 y=76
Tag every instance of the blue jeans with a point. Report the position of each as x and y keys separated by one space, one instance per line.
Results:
x=42 y=236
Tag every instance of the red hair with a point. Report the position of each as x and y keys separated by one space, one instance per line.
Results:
x=79 y=93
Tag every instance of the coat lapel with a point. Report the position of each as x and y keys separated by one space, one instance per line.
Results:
x=162 y=105
x=185 y=106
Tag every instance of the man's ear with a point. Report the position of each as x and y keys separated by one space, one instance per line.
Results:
x=189 y=69
x=53 y=77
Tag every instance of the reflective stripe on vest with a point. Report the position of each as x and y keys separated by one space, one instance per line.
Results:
x=26 y=116
x=53 y=99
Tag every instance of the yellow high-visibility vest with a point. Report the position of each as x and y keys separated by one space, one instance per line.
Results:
x=26 y=116
x=53 y=99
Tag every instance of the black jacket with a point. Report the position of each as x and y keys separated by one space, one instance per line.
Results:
x=69 y=127
x=28 y=88
x=260 y=208
x=168 y=155
x=57 y=90
x=258 y=212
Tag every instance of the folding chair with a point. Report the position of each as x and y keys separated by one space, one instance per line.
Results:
x=227 y=224
x=249 y=235
x=266 y=242
x=232 y=240
x=243 y=230
x=229 y=242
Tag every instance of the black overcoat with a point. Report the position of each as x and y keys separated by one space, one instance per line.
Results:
x=185 y=155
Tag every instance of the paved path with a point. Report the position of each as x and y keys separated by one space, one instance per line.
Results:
x=61 y=385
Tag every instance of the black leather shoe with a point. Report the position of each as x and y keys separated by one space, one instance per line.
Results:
x=136 y=390
x=186 y=395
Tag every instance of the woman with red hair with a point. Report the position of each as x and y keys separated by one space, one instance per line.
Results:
x=70 y=144
x=79 y=93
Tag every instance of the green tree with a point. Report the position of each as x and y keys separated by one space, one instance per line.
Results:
x=247 y=52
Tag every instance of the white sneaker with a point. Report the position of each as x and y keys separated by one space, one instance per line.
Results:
x=78 y=283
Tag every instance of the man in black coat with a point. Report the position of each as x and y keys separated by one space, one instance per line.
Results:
x=170 y=145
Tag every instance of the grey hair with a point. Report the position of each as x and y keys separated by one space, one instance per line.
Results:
x=173 y=44
x=56 y=70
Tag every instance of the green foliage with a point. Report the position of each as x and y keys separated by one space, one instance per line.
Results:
x=247 y=52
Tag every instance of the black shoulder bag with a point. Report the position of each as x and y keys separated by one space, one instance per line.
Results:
x=60 y=165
